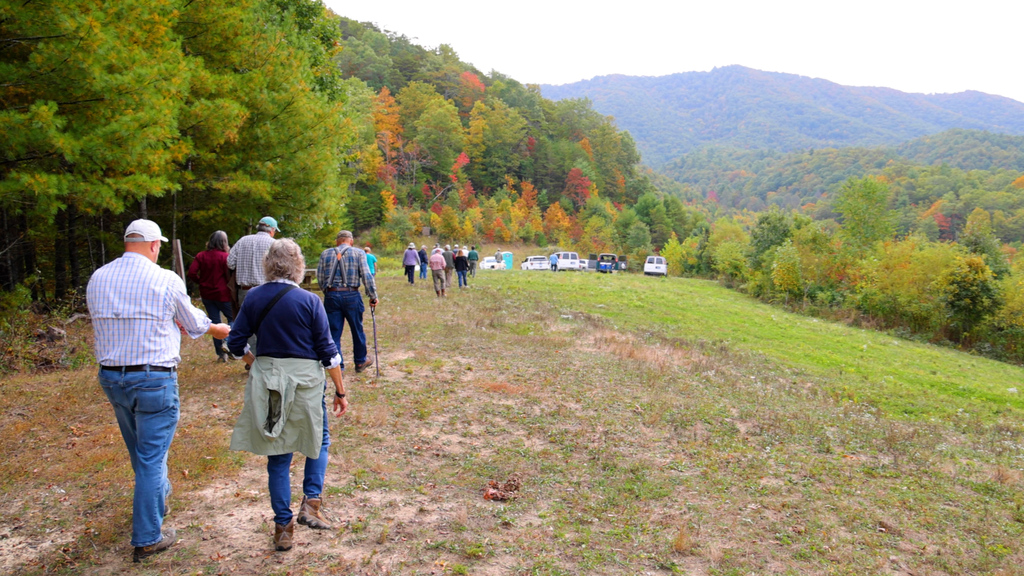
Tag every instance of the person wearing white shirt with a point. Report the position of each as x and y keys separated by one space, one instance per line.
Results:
x=139 y=311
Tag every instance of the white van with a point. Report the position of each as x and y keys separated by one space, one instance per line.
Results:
x=655 y=266
x=568 y=261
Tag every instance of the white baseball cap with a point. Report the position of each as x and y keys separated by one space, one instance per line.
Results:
x=147 y=229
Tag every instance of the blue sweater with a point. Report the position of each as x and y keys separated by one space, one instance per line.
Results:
x=296 y=327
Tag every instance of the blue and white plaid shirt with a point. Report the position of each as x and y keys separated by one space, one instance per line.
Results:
x=246 y=258
x=133 y=304
x=351 y=268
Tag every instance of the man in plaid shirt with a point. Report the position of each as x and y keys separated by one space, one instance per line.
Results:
x=246 y=259
x=339 y=273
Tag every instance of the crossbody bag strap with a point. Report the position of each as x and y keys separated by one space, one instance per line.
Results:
x=266 y=309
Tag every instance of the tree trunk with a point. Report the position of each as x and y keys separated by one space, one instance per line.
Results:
x=28 y=256
x=60 y=271
x=73 y=260
x=9 y=246
x=143 y=212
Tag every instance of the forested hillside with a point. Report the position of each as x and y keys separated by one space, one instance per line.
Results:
x=210 y=115
x=740 y=107
x=942 y=171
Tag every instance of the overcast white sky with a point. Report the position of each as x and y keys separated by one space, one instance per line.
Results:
x=931 y=47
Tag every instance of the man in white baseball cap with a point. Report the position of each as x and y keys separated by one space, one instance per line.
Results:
x=139 y=312
x=143 y=231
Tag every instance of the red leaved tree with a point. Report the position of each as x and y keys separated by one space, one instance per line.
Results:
x=577 y=187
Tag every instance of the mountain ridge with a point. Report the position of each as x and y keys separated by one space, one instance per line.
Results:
x=743 y=107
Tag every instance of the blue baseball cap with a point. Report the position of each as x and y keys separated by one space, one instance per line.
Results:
x=270 y=222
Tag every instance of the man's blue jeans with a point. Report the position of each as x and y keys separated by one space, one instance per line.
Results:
x=423 y=270
x=462 y=278
x=279 y=477
x=214 y=309
x=146 y=406
x=348 y=307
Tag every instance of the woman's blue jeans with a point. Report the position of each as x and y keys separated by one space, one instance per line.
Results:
x=279 y=478
x=146 y=406
x=214 y=309
x=462 y=278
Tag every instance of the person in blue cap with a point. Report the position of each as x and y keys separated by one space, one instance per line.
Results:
x=246 y=259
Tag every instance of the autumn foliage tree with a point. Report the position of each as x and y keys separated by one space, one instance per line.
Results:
x=577 y=187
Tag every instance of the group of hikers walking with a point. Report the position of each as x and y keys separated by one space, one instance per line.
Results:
x=286 y=336
x=443 y=263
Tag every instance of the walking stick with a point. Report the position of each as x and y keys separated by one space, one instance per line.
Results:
x=376 y=360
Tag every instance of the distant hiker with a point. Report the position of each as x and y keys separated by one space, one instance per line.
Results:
x=139 y=312
x=437 y=265
x=473 y=258
x=410 y=259
x=449 y=265
x=499 y=262
x=423 y=261
x=285 y=410
x=340 y=272
x=209 y=269
x=246 y=259
x=461 y=268
x=554 y=262
x=371 y=261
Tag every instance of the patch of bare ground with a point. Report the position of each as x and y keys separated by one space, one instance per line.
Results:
x=637 y=453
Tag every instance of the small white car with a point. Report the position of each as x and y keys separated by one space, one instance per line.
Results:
x=489 y=263
x=536 y=263
x=567 y=261
x=655 y=266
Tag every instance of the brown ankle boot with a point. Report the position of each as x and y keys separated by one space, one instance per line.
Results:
x=283 y=536
x=311 y=515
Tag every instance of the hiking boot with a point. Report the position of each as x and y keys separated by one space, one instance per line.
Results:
x=167 y=539
x=364 y=365
x=311 y=515
x=283 y=536
x=222 y=357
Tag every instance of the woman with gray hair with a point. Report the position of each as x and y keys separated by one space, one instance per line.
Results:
x=285 y=410
x=210 y=270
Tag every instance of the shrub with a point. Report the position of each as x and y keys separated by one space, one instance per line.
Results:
x=786 y=270
x=898 y=284
x=674 y=255
x=1005 y=328
x=730 y=261
x=969 y=292
x=15 y=327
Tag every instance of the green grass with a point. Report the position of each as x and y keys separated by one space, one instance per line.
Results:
x=898 y=376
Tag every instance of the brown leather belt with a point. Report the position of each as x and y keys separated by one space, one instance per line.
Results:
x=343 y=289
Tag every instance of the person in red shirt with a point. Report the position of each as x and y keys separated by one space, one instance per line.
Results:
x=210 y=271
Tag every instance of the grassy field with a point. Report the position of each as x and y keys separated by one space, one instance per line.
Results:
x=657 y=426
x=898 y=376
